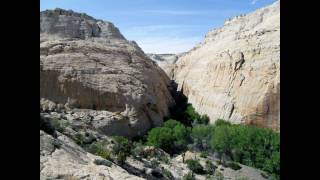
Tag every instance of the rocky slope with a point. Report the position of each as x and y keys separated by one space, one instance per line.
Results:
x=234 y=73
x=61 y=158
x=86 y=63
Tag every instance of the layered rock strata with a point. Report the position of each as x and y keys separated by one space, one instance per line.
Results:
x=87 y=64
x=234 y=74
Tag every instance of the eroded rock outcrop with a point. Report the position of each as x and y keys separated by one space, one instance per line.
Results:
x=87 y=64
x=234 y=73
x=165 y=61
x=61 y=158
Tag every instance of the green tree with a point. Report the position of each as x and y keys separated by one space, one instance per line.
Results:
x=201 y=135
x=161 y=137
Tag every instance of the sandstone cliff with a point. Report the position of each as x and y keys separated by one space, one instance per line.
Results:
x=61 y=158
x=234 y=73
x=165 y=61
x=87 y=64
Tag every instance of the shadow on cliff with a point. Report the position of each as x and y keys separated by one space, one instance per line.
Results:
x=177 y=112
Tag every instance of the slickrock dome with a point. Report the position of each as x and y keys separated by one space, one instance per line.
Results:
x=87 y=64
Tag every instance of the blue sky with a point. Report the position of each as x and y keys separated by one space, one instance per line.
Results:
x=161 y=26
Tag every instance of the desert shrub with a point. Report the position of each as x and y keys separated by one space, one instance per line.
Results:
x=188 y=176
x=168 y=174
x=121 y=149
x=104 y=154
x=221 y=122
x=204 y=154
x=57 y=124
x=102 y=162
x=218 y=176
x=195 y=166
x=99 y=150
x=154 y=164
x=79 y=139
x=233 y=165
x=163 y=158
x=210 y=167
x=137 y=149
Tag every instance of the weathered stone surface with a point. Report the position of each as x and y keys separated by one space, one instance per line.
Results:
x=87 y=64
x=166 y=62
x=60 y=158
x=234 y=73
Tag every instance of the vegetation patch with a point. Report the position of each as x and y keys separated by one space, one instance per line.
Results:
x=188 y=176
x=195 y=166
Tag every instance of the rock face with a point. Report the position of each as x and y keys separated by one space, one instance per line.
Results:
x=165 y=61
x=234 y=73
x=87 y=64
x=61 y=158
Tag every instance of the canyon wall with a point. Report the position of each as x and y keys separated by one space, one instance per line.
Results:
x=234 y=74
x=87 y=64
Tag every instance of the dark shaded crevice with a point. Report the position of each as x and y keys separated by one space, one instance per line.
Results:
x=231 y=111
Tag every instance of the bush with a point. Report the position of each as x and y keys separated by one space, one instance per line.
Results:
x=195 y=166
x=221 y=122
x=99 y=150
x=102 y=162
x=204 y=154
x=57 y=124
x=79 y=139
x=137 y=149
x=154 y=164
x=218 y=176
x=210 y=167
x=188 y=176
x=168 y=174
x=104 y=154
x=233 y=165
x=121 y=149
